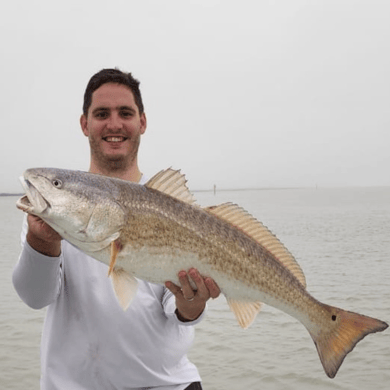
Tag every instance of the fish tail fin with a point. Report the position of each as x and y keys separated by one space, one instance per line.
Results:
x=343 y=331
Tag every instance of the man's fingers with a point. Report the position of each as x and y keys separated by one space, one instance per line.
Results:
x=191 y=302
x=175 y=290
x=212 y=287
x=188 y=292
x=41 y=229
x=202 y=289
x=205 y=287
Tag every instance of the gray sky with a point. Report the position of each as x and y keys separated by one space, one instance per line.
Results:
x=237 y=93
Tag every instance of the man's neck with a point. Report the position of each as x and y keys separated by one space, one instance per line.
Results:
x=132 y=173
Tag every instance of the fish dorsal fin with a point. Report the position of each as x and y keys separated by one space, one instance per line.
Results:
x=172 y=183
x=245 y=312
x=240 y=218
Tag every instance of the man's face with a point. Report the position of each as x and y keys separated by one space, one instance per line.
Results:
x=113 y=126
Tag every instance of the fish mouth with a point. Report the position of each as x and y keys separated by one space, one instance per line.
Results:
x=33 y=202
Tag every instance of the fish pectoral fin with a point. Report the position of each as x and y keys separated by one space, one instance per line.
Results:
x=125 y=286
x=116 y=247
x=245 y=312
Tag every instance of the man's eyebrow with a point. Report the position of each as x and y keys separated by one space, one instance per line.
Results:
x=119 y=108
x=129 y=108
x=97 y=109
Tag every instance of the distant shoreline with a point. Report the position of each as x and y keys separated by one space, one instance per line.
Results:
x=250 y=189
x=7 y=194
x=288 y=188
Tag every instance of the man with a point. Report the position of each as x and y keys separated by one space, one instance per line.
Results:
x=88 y=342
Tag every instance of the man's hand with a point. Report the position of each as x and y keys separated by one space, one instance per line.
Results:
x=42 y=237
x=190 y=304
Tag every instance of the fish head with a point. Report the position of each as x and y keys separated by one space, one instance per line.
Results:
x=80 y=206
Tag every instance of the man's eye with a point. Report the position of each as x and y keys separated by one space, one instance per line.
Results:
x=126 y=114
x=101 y=114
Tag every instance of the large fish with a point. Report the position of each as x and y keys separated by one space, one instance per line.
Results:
x=153 y=231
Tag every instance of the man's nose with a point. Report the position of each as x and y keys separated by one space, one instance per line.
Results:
x=114 y=122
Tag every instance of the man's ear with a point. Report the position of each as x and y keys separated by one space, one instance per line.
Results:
x=143 y=123
x=83 y=124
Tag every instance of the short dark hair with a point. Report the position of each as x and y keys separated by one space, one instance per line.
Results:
x=112 y=76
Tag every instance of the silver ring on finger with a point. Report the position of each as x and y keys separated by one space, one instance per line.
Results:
x=190 y=299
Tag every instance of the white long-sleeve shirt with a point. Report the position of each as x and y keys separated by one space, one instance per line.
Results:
x=88 y=341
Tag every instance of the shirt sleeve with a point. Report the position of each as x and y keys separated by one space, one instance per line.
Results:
x=169 y=305
x=36 y=277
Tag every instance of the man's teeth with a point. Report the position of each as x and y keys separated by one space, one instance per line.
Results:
x=114 y=139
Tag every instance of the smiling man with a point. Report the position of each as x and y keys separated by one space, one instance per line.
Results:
x=114 y=125
x=88 y=341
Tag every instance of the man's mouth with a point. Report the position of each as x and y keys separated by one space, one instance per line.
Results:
x=114 y=139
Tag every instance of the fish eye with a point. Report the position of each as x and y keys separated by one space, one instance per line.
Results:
x=57 y=183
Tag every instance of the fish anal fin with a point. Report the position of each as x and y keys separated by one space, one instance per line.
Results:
x=241 y=219
x=245 y=312
x=125 y=286
x=173 y=183
x=116 y=247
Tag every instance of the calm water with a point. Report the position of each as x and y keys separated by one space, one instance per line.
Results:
x=341 y=238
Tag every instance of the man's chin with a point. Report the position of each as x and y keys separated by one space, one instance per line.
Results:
x=117 y=162
x=114 y=160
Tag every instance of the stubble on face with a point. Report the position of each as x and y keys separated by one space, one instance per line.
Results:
x=117 y=163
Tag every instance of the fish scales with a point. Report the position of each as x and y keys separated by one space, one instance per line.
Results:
x=154 y=231
x=162 y=223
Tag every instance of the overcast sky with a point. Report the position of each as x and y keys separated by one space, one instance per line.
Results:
x=237 y=93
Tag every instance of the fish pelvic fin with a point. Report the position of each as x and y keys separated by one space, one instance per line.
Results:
x=347 y=330
x=172 y=183
x=245 y=312
x=125 y=286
